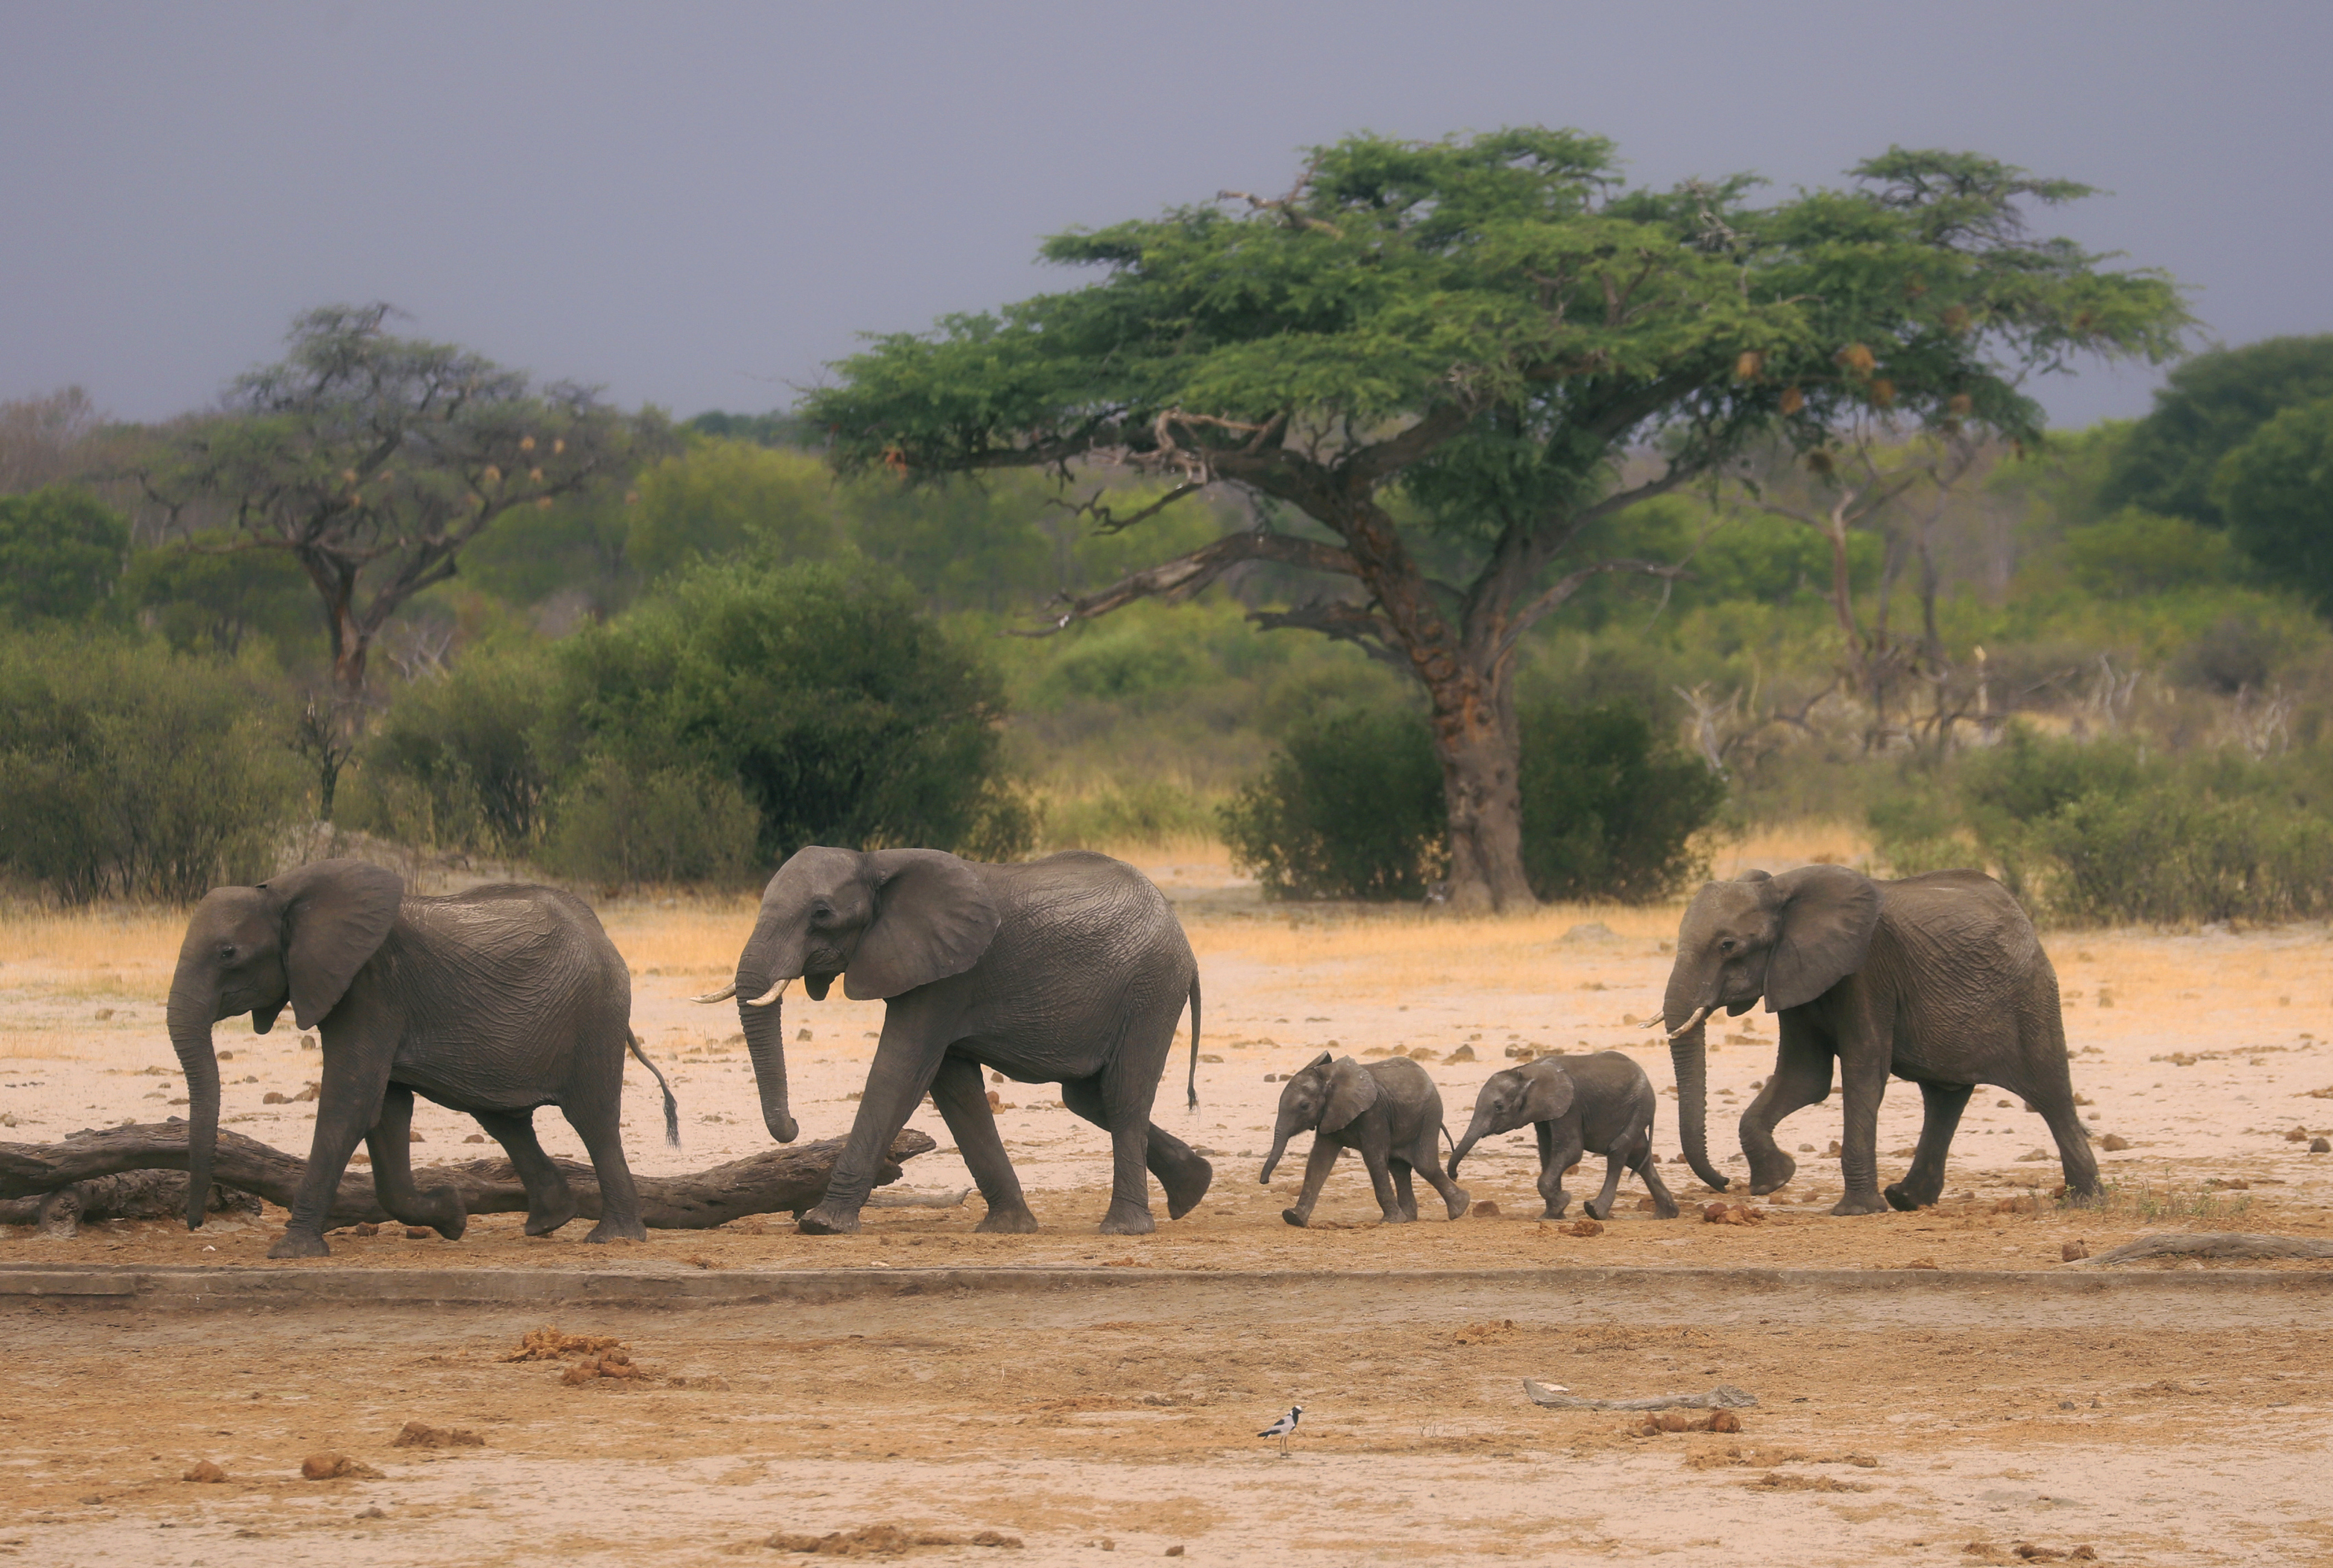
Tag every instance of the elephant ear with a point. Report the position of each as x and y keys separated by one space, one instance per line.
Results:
x=934 y=918
x=1828 y=914
x=1352 y=1089
x=335 y=916
x=1550 y=1096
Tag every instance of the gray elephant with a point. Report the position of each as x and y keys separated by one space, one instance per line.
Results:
x=1938 y=978
x=1600 y=1104
x=1389 y=1111
x=493 y=1002
x=1069 y=970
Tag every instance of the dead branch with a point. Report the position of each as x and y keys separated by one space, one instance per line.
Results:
x=1177 y=580
x=777 y=1180
x=2225 y=1244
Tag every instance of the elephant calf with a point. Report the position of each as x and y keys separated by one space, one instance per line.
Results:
x=1600 y=1104
x=1390 y=1111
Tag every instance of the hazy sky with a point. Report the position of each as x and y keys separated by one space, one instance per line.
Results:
x=698 y=205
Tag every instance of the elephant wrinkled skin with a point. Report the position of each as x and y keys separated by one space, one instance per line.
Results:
x=1071 y=970
x=1597 y=1104
x=1389 y=1111
x=1936 y=979
x=493 y=1002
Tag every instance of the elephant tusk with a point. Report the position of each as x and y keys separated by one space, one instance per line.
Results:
x=1698 y=1014
x=773 y=994
x=723 y=995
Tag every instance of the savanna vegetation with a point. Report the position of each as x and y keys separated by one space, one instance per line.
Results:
x=1462 y=524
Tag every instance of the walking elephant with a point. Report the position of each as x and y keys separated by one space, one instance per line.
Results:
x=1938 y=978
x=1597 y=1104
x=493 y=1002
x=1389 y=1111
x=1069 y=970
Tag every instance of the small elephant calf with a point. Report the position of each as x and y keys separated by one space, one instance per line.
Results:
x=1600 y=1104
x=1389 y=1111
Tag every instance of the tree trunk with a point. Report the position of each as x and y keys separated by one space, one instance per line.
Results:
x=776 y=1180
x=1480 y=747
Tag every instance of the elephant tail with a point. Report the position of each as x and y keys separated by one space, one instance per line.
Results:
x=671 y=1106
x=1192 y=1088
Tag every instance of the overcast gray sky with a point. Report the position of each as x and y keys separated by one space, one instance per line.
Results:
x=698 y=205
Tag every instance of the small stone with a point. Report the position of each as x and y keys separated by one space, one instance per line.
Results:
x=1485 y=1209
x=273 y=1097
x=2073 y=1252
x=475 y=1137
x=418 y=1233
x=413 y=1135
x=2114 y=1142
x=336 y=1468
x=800 y=1034
x=2319 y=1145
x=1174 y=1551
x=1464 y=1053
x=2066 y=1405
x=1806 y=1149
x=204 y=1470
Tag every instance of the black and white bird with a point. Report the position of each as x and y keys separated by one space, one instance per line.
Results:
x=1282 y=1426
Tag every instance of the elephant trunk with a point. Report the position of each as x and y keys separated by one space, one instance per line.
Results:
x=765 y=1034
x=193 y=1008
x=1689 y=1053
x=1476 y=1130
x=1286 y=1130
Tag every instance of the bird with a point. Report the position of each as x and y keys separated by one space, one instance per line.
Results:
x=1282 y=1426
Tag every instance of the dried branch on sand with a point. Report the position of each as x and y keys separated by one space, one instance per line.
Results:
x=2228 y=1244
x=777 y=1180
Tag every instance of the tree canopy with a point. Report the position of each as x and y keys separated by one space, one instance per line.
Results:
x=1462 y=341
x=2276 y=492
x=2210 y=406
x=60 y=554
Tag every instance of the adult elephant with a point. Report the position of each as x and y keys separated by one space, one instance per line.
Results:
x=1069 y=970
x=493 y=1002
x=1938 y=978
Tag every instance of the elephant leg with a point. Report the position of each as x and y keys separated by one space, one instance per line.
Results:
x=896 y=1082
x=1664 y=1203
x=391 y=1141
x=1317 y=1166
x=1801 y=1078
x=963 y=1100
x=348 y=1103
x=1601 y=1206
x=1181 y=1169
x=1453 y=1197
x=2048 y=1087
x=550 y=1201
x=1925 y=1182
x=1403 y=1189
x=1863 y=1082
x=1558 y=1152
x=1381 y=1180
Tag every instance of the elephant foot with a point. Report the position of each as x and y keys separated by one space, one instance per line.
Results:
x=1007 y=1222
x=542 y=1222
x=1296 y=1217
x=1456 y=1203
x=1767 y=1176
x=1595 y=1210
x=1905 y=1201
x=1664 y=1209
x=1188 y=1186
x=1860 y=1203
x=300 y=1243
x=1557 y=1207
x=827 y=1219
x=1395 y=1217
x=1125 y=1219
x=609 y=1230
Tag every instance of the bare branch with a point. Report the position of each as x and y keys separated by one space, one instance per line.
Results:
x=1339 y=621
x=1177 y=580
x=1561 y=591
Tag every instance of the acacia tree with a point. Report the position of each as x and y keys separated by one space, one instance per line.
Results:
x=1448 y=348
x=373 y=459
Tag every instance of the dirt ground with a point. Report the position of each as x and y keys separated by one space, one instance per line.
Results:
x=1068 y=1419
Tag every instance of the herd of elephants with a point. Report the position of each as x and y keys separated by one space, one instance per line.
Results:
x=1073 y=970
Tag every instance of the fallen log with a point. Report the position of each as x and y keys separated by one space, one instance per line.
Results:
x=776 y=1180
x=129 y=1195
x=1555 y=1397
x=2222 y=1244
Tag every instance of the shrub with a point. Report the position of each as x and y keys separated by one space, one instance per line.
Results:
x=619 y=825
x=1350 y=808
x=60 y=554
x=455 y=762
x=840 y=711
x=1610 y=812
x=131 y=772
x=1150 y=812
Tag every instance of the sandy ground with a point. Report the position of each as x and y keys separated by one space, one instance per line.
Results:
x=2202 y=1051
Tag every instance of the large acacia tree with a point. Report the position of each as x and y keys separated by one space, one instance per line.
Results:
x=1479 y=349
x=373 y=459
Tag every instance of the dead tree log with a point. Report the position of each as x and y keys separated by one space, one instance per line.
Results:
x=777 y=1180
x=2221 y=1244
x=129 y=1195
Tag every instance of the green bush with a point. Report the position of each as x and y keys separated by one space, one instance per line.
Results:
x=616 y=825
x=131 y=772
x=1148 y=811
x=1611 y=812
x=1350 y=808
x=455 y=764
x=841 y=712
x=60 y=554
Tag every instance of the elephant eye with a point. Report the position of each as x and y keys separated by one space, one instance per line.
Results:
x=227 y=952
x=1727 y=945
